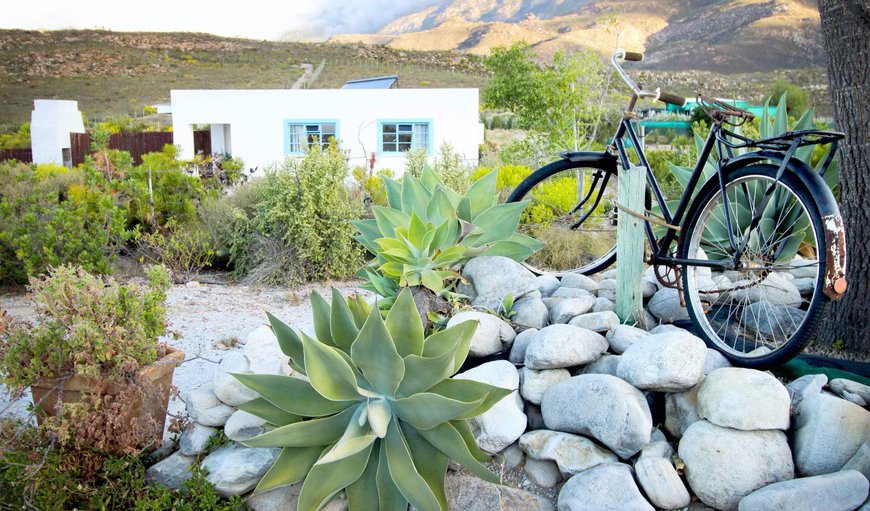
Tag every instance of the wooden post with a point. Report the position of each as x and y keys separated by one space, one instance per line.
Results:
x=630 y=245
x=151 y=201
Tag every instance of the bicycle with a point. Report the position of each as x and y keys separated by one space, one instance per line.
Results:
x=754 y=254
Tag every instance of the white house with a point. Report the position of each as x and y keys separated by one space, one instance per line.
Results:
x=51 y=122
x=263 y=127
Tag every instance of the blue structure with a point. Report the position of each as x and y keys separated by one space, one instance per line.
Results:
x=381 y=82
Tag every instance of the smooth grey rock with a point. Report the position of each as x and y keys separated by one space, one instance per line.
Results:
x=745 y=399
x=171 y=472
x=607 y=487
x=599 y=322
x=234 y=469
x=502 y=424
x=264 y=354
x=521 y=343
x=772 y=320
x=714 y=360
x=853 y=398
x=243 y=425
x=661 y=483
x=531 y=313
x=286 y=498
x=601 y=406
x=470 y=493
x=228 y=389
x=668 y=362
x=607 y=364
x=828 y=432
x=194 y=440
x=607 y=289
x=551 y=302
x=491 y=335
x=570 y=292
x=775 y=290
x=534 y=383
x=860 y=461
x=648 y=321
x=603 y=305
x=657 y=449
x=659 y=329
x=681 y=411
x=804 y=387
x=494 y=277
x=648 y=288
x=606 y=274
x=579 y=281
x=512 y=457
x=204 y=407
x=805 y=285
x=544 y=473
x=665 y=305
x=840 y=386
x=840 y=491
x=547 y=283
x=723 y=465
x=620 y=337
x=571 y=453
x=536 y=419
x=564 y=346
x=563 y=311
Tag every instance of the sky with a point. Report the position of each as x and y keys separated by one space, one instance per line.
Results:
x=254 y=19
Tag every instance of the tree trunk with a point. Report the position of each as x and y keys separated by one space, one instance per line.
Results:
x=846 y=33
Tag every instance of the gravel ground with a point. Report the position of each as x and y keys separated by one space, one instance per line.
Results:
x=200 y=315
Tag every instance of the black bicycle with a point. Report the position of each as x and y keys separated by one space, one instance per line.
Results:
x=755 y=251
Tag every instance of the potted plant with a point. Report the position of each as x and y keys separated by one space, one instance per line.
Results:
x=99 y=377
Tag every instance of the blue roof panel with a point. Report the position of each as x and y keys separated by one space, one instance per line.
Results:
x=382 y=82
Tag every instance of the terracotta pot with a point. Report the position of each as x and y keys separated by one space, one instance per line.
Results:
x=155 y=380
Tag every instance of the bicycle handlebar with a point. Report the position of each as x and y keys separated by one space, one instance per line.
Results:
x=656 y=95
x=632 y=56
x=671 y=99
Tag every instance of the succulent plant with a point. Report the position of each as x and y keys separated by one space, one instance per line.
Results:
x=377 y=415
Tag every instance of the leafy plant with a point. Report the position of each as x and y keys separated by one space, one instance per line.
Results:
x=378 y=415
x=182 y=249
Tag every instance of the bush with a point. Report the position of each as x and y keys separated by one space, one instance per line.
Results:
x=372 y=184
x=17 y=140
x=797 y=99
x=229 y=223
x=184 y=249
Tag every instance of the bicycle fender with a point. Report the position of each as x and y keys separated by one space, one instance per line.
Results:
x=576 y=156
x=832 y=221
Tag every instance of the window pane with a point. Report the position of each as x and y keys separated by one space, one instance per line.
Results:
x=389 y=128
x=312 y=128
x=328 y=129
x=405 y=137
x=389 y=138
x=421 y=136
x=390 y=148
x=405 y=127
x=404 y=146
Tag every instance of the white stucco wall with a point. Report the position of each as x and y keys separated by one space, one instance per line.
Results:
x=256 y=119
x=51 y=122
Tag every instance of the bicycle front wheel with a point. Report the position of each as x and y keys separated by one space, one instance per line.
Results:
x=572 y=211
x=764 y=311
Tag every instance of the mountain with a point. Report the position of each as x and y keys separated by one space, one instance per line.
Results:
x=711 y=35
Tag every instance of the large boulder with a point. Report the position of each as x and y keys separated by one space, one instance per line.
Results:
x=804 y=387
x=603 y=407
x=579 y=281
x=621 y=337
x=243 y=425
x=744 y=399
x=531 y=313
x=228 y=389
x=543 y=473
x=842 y=387
x=828 y=431
x=567 y=309
x=607 y=364
x=599 y=322
x=505 y=422
x=494 y=277
x=840 y=491
x=264 y=354
x=668 y=362
x=547 y=283
x=470 y=493
x=572 y=453
x=534 y=383
x=559 y=346
x=661 y=483
x=493 y=334
x=665 y=305
x=607 y=487
x=723 y=465
x=235 y=470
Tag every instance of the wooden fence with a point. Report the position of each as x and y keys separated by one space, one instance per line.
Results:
x=22 y=155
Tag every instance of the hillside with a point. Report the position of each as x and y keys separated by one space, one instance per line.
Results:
x=712 y=35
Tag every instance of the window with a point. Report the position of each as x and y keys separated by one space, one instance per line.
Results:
x=401 y=137
x=301 y=135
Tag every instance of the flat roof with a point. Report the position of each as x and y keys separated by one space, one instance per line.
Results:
x=380 y=82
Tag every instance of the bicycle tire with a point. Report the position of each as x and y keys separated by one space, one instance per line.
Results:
x=752 y=315
x=601 y=253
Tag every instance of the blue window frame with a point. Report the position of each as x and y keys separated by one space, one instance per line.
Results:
x=401 y=136
x=301 y=134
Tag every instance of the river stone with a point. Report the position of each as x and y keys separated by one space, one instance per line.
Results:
x=534 y=383
x=512 y=457
x=194 y=440
x=657 y=449
x=571 y=292
x=681 y=411
x=603 y=305
x=286 y=498
x=669 y=362
x=665 y=305
x=491 y=335
x=470 y=493
x=661 y=483
x=547 y=283
x=502 y=424
x=235 y=470
x=521 y=343
x=804 y=387
x=607 y=487
x=607 y=289
x=264 y=353
x=204 y=407
x=658 y=329
x=743 y=399
x=572 y=453
x=607 y=364
x=171 y=472
x=841 y=385
x=531 y=313
x=840 y=491
x=775 y=290
x=714 y=360
x=563 y=311
x=536 y=419
x=723 y=465
x=860 y=461
x=620 y=337
x=601 y=406
x=226 y=387
x=243 y=425
x=494 y=277
x=543 y=473
x=828 y=431
x=772 y=320
x=564 y=346
x=579 y=281
x=599 y=322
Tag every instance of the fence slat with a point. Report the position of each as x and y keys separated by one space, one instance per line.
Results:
x=22 y=155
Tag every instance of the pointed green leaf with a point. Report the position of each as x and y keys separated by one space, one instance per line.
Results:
x=765 y=125
x=439 y=208
x=414 y=196
x=324 y=481
x=328 y=372
x=405 y=325
x=510 y=249
x=432 y=281
x=467 y=435
x=416 y=231
x=355 y=438
x=425 y=372
x=269 y=412
x=389 y=219
x=368 y=232
x=379 y=416
x=404 y=474
x=780 y=120
x=362 y=494
x=468 y=391
x=499 y=221
x=430 y=179
x=375 y=355
x=394 y=193
x=431 y=463
x=320 y=312
x=359 y=309
x=806 y=122
x=342 y=325
x=481 y=196
x=310 y=433
x=428 y=409
x=447 y=439
x=289 y=342
x=291 y=394
x=290 y=467
x=445 y=340
x=389 y=496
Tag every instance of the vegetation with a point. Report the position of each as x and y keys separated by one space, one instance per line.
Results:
x=378 y=414
x=798 y=99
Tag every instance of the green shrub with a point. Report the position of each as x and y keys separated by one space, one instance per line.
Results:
x=372 y=184
x=17 y=140
x=229 y=222
x=183 y=249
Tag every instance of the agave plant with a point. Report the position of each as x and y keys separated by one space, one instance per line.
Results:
x=475 y=222
x=378 y=415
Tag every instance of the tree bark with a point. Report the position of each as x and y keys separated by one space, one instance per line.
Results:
x=846 y=33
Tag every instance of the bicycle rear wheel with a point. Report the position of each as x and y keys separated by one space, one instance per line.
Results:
x=572 y=211
x=765 y=311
